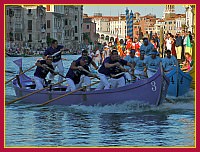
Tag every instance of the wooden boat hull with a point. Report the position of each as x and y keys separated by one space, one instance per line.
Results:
x=192 y=74
x=179 y=82
x=148 y=91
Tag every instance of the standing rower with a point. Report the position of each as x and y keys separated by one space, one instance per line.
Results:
x=55 y=50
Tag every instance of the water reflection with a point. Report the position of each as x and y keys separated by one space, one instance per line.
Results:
x=69 y=126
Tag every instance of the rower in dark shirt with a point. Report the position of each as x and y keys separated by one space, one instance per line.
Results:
x=42 y=70
x=55 y=51
x=112 y=67
x=78 y=74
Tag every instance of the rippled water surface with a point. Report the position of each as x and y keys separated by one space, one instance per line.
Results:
x=129 y=124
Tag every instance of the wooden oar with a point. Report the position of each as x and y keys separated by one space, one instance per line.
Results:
x=113 y=76
x=55 y=72
x=90 y=73
x=153 y=70
x=170 y=101
x=9 y=71
x=8 y=103
x=140 y=75
x=47 y=102
x=20 y=74
x=56 y=53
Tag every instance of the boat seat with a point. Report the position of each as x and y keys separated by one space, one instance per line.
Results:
x=30 y=86
x=59 y=89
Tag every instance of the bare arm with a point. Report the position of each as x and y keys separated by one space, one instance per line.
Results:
x=130 y=65
x=94 y=65
x=73 y=66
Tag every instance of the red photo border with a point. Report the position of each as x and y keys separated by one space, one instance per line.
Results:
x=2 y=81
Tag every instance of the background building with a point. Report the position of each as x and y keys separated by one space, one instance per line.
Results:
x=64 y=23
x=25 y=27
x=34 y=26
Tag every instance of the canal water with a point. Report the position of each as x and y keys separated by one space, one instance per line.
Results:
x=172 y=124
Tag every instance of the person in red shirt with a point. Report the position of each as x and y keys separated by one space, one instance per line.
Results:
x=136 y=47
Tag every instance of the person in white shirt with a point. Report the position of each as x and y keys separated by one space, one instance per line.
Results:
x=106 y=52
x=168 y=41
x=97 y=57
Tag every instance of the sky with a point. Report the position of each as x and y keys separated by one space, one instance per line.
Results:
x=109 y=10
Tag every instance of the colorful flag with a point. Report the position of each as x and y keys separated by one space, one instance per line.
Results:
x=18 y=62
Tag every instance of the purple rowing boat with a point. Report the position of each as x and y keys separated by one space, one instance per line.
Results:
x=148 y=91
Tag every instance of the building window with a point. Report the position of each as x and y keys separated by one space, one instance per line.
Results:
x=67 y=32
x=76 y=17
x=30 y=37
x=48 y=35
x=48 y=23
x=76 y=38
x=29 y=24
x=76 y=29
x=48 y=7
x=29 y=11
x=18 y=36
x=66 y=21
x=45 y=26
x=88 y=26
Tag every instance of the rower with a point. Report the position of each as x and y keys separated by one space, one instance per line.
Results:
x=169 y=62
x=55 y=50
x=43 y=68
x=131 y=59
x=78 y=74
x=117 y=73
x=111 y=66
x=146 y=46
x=89 y=59
x=152 y=63
x=139 y=66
